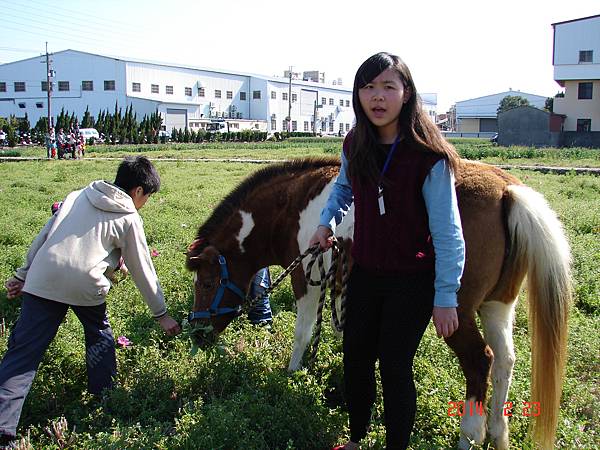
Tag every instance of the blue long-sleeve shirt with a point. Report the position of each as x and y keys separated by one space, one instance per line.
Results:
x=444 y=224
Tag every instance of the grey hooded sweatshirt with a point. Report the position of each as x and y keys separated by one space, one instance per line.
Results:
x=68 y=260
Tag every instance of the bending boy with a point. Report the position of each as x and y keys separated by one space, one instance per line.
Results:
x=67 y=267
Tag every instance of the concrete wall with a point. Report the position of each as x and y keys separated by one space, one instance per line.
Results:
x=524 y=126
x=574 y=139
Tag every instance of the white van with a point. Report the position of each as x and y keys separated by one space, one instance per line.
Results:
x=89 y=133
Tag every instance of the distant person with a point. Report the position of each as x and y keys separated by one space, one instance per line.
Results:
x=66 y=268
x=61 y=141
x=73 y=141
x=50 y=141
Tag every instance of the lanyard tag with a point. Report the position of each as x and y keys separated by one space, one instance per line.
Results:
x=380 y=201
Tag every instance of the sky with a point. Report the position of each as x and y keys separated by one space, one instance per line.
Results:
x=459 y=49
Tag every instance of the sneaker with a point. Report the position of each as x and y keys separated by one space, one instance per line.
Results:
x=267 y=324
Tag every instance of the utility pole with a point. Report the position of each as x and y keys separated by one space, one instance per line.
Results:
x=289 y=121
x=49 y=74
x=317 y=106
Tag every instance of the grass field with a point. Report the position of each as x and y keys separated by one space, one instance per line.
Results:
x=479 y=149
x=239 y=394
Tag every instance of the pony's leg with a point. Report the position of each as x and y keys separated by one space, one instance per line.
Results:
x=497 y=322
x=475 y=359
x=306 y=316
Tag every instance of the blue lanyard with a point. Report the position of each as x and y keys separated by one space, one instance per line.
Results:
x=387 y=162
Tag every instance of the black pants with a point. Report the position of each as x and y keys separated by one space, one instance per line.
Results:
x=385 y=319
x=34 y=330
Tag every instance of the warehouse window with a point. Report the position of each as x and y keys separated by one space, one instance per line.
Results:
x=348 y=103
x=63 y=86
x=294 y=125
x=44 y=86
x=294 y=98
x=188 y=91
x=586 y=56
x=154 y=89
x=3 y=86
x=305 y=125
x=323 y=100
x=229 y=94
x=136 y=87
x=242 y=96
x=256 y=95
x=87 y=85
x=39 y=105
x=19 y=86
x=169 y=90
x=584 y=91
x=274 y=95
x=217 y=93
x=331 y=101
x=22 y=105
x=284 y=96
x=109 y=85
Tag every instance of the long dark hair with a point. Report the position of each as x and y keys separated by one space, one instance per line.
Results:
x=414 y=124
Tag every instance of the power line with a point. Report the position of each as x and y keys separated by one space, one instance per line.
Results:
x=19 y=50
x=48 y=24
x=109 y=24
x=52 y=31
x=69 y=25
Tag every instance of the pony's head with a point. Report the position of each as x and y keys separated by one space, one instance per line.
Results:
x=217 y=297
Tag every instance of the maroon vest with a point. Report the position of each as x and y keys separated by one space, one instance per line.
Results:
x=399 y=242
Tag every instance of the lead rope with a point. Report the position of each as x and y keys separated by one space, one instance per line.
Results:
x=337 y=253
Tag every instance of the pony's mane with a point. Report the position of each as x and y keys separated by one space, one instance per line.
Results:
x=233 y=200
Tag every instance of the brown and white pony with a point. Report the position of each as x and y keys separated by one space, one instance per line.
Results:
x=509 y=230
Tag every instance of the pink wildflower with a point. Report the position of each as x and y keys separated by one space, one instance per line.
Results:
x=154 y=253
x=123 y=341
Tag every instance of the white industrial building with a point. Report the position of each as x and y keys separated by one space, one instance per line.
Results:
x=184 y=96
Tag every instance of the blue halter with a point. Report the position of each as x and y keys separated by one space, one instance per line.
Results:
x=214 y=309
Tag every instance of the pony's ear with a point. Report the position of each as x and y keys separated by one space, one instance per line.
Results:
x=195 y=244
x=210 y=254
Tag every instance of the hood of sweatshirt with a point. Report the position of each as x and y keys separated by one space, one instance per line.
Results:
x=108 y=197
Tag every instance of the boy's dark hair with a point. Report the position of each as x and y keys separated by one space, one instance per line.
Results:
x=137 y=171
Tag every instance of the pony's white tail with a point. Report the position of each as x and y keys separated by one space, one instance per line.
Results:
x=538 y=243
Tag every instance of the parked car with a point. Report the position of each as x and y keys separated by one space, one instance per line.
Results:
x=2 y=138
x=494 y=139
x=89 y=133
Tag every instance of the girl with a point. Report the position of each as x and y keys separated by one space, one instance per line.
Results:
x=408 y=247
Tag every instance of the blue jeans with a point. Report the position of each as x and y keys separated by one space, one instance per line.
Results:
x=34 y=330
x=261 y=311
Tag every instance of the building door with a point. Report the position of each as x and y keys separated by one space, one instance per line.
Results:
x=488 y=125
x=176 y=118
